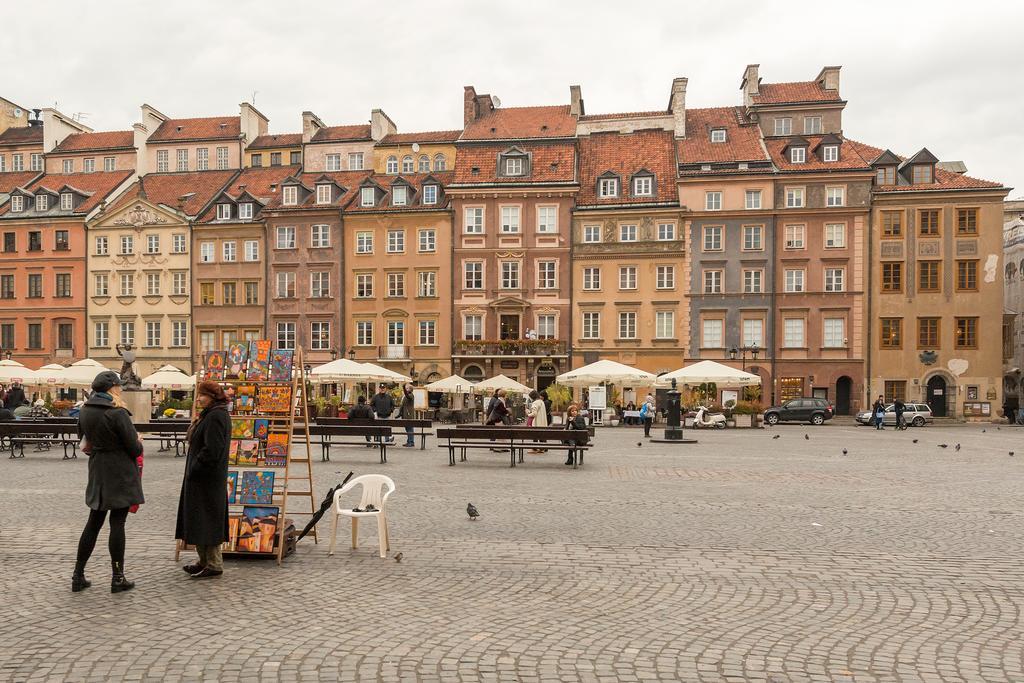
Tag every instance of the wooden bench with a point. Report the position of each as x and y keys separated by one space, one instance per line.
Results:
x=18 y=433
x=516 y=440
x=169 y=433
x=419 y=427
x=378 y=433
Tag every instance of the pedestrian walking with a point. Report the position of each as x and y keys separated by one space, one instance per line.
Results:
x=573 y=420
x=407 y=411
x=203 y=504
x=536 y=416
x=878 y=412
x=497 y=413
x=114 y=483
x=647 y=411
x=383 y=405
x=899 y=408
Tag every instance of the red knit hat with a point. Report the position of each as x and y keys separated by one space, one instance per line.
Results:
x=212 y=389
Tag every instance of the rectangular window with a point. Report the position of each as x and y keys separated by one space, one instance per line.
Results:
x=885 y=175
x=35 y=241
x=323 y=194
x=10 y=242
x=793 y=333
x=207 y=297
x=795 y=236
x=320 y=236
x=101 y=284
x=643 y=186
x=252 y=294
x=835 y=235
x=752 y=199
x=101 y=334
x=7 y=336
x=718 y=135
x=591 y=279
x=928 y=222
x=892 y=224
x=966 y=333
x=892 y=277
x=206 y=252
x=320 y=335
x=162 y=161
x=783 y=125
x=928 y=333
x=6 y=286
x=396 y=241
x=666 y=232
x=713 y=201
x=967 y=221
x=510 y=219
x=319 y=284
x=252 y=250
x=295 y=158
x=928 y=276
x=333 y=162
x=427 y=241
x=426 y=283
x=181 y=156
x=921 y=174
x=510 y=275
x=966 y=276
x=364 y=286
x=61 y=240
x=664 y=325
x=794 y=280
x=286 y=285
x=430 y=194
x=285 y=237
x=892 y=333
x=17 y=162
x=355 y=161
x=223 y=212
x=835 y=333
x=627 y=233
x=712 y=333
x=364 y=242
x=152 y=244
x=17 y=203
x=367 y=196
x=202 y=163
x=229 y=251
x=894 y=390
x=547 y=219
x=512 y=166
x=127 y=330
x=835 y=196
x=546 y=275
x=608 y=187
x=546 y=326
x=152 y=284
x=66 y=201
x=798 y=155
x=398 y=195
x=127 y=244
x=834 y=279
x=665 y=277
x=752 y=281
x=712 y=281
x=474 y=221
x=812 y=125
x=627 y=325
x=153 y=337
x=592 y=233
x=752 y=238
x=35 y=286
x=713 y=237
x=222 y=158
x=286 y=335
x=178 y=244
x=830 y=153
x=179 y=283
x=794 y=197
x=396 y=284
x=256 y=160
x=36 y=162
x=627 y=277
x=474 y=274
x=290 y=195
x=42 y=202
x=364 y=333
x=396 y=333
x=35 y=336
x=753 y=332
x=591 y=326
x=179 y=333
x=127 y=284
x=473 y=327
x=427 y=332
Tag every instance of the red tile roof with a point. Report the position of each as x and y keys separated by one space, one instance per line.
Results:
x=86 y=142
x=944 y=180
x=850 y=157
x=256 y=182
x=22 y=135
x=800 y=91
x=359 y=131
x=271 y=141
x=742 y=140
x=624 y=155
x=96 y=185
x=434 y=136
x=191 y=190
x=349 y=180
x=623 y=115
x=211 y=128
x=13 y=179
x=551 y=163
x=415 y=179
x=523 y=122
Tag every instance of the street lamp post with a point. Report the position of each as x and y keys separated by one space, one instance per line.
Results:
x=754 y=349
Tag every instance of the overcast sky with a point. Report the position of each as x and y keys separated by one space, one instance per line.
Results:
x=946 y=75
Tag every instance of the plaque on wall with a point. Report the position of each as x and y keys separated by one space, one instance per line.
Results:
x=509 y=364
x=892 y=249
x=966 y=247
x=929 y=248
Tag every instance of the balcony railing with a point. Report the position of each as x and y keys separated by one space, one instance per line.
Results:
x=510 y=347
x=393 y=352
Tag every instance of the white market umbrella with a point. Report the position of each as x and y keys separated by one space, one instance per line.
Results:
x=709 y=371
x=606 y=371
x=345 y=370
x=168 y=377
x=13 y=371
x=501 y=382
x=387 y=375
x=50 y=375
x=451 y=385
x=82 y=373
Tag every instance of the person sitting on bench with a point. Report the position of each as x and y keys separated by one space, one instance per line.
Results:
x=361 y=411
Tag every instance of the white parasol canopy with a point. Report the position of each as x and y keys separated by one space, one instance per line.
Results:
x=49 y=375
x=709 y=371
x=81 y=373
x=168 y=377
x=388 y=375
x=13 y=371
x=500 y=382
x=345 y=370
x=451 y=385
x=606 y=371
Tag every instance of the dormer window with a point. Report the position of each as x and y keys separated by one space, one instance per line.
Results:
x=290 y=195
x=608 y=187
x=798 y=155
x=514 y=166
x=366 y=196
x=223 y=212
x=245 y=210
x=66 y=201
x=392 y=165
x=643 y=186
x=718 y=135
x=42 y=202
x=17 y=204
x=830 y=153
x=323 y=193
x=921 y=173
x=398 y=195
x=430 y=194
x=885 y=175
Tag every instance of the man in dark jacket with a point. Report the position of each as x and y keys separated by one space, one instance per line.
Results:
x=15 y=397
x=361 y=411
x=383 y=405
x=407 y=411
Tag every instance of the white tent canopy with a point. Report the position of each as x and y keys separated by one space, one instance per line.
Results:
x=451 y=385
x=709 y=371
x=52 y=374
x=81 y=373
x=606 y=371
x=385 y=374
x=168 y=377
x=345 y=370
x=13 y=371
x=501 y=382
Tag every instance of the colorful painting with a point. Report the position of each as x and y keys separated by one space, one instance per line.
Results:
x=241 y=427
x=257 y=488
x=237 y=354
x=260 y=429
x=248 y=452
x=277 y=450
x=259 y=360
x=275 y=398
x=281 y=365
x=258 y=529
x=234 y=522
x=233 y=452
x=232 y=486
x=245 y=399
x=215 y=365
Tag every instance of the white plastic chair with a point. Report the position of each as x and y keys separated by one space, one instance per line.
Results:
x=374 y=493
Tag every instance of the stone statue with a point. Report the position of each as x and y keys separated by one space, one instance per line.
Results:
x=128 y=377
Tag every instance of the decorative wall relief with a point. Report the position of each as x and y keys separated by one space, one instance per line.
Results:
x=967 y=247
x=891 y=249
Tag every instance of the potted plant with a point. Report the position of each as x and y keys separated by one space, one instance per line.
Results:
x=560 y=396
x=318 y=406
x=743 y=413
x=335 y=402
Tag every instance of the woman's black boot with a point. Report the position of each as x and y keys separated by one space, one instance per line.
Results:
x=79 y=582
x=118 y=582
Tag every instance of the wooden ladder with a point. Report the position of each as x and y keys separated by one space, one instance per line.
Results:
x=305 y=474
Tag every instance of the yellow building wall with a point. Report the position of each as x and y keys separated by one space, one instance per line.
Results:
x=381 y=154
x=286 y=155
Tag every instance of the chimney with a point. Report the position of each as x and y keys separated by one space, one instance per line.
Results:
x=311 y=123
x=140 y=134
x=750 y=85
x=381 y=125
x=469 y=105
x=254 y=124
x=828 y=78
x=575 y=100
x=677 y=105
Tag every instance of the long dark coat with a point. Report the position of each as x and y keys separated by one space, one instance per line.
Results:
x=203 y=505
x=114 y=479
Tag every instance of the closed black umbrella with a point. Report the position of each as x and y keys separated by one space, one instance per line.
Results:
x=324 y=506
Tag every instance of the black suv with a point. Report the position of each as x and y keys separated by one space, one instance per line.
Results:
x=813 y=410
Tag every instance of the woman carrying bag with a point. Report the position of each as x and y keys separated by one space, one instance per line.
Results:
x=203 y=505
x=536 y=416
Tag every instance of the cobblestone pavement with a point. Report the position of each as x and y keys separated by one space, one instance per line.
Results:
x=741 y=558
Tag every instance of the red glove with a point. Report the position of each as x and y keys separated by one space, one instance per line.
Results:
x=138 y=463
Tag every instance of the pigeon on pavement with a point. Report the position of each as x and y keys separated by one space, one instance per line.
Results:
x=943 y=445
x=914 y=441
x=957 y=448
x=844 y=451
x=398 y=557
x=1011 y=454
x=807 y=437
x=472 y=512
x=777 y=436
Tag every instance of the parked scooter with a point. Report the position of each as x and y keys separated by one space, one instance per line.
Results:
x=705 y=419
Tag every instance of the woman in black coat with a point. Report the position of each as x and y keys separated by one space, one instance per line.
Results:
x=114 y=480
x=203 y=506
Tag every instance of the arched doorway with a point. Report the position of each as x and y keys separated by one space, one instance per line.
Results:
x=844 y=389
x=545 y=376
x=474 y=373
x=936 y=395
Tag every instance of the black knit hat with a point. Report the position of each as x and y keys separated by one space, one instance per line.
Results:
x=105 y=380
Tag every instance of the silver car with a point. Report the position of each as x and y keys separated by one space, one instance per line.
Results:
x=915 y=415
